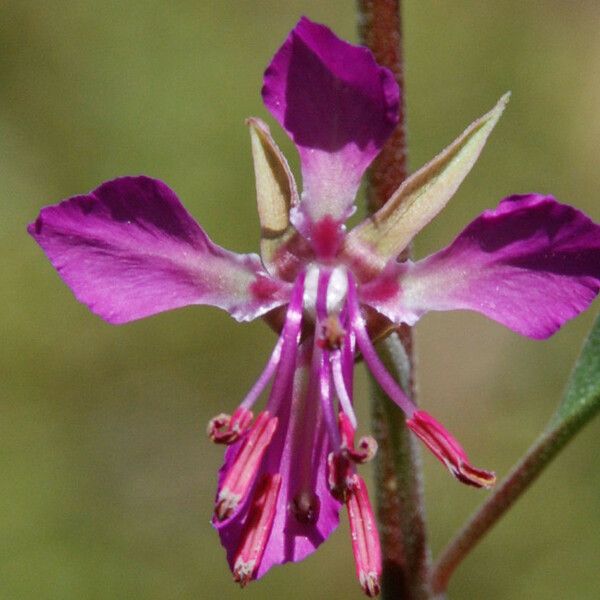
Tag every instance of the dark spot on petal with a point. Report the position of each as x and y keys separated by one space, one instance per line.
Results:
x=305 y=507
x=86 y=204
x=263 y=288
x=326 y=236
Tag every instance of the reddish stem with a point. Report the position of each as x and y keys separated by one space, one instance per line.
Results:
x=380 y=28
x=398 y=470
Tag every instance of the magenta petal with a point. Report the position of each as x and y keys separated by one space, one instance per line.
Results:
x=337 y=105
x=530 y=264
x=298 y=452
x=292 y=540
x=129 y=249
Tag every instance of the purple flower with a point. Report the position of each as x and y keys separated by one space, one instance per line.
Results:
x=129 y=249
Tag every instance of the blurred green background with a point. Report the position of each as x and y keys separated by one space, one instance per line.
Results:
x=106 y=477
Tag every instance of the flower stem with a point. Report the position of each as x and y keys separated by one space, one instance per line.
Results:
x=491 y=510
x=406 y=557
x=380 y=28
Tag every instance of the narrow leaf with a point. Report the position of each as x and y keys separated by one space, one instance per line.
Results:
x=582 y=397
x=580 y=403
x=275 y=191
x=420 y=197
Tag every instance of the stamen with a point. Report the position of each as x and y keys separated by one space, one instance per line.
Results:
x=239 y=479
x=257 y=529
x=367 y=446
x=340 y=465
x=447 y=449
x=347 y=354
x=436 y=438
x=265 y=376
x=227 y=429
x=340 y=475
x=322 y=367
x=321 y=364
x=290 y=337
x=377 y=368
x=365 y=538
x=340 y=388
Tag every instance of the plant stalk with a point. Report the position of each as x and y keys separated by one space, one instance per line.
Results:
x=398 y=472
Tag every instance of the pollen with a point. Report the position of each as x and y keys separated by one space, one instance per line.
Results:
x=332 y=333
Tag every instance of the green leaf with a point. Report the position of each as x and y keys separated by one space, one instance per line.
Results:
x=580 y=403
x=582 y=397
x=420 y=197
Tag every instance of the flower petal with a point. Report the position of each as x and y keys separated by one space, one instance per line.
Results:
x=129 y=249
x=530 y=264
x=295 y=540
x=419 y=198
x=298 y=452
x=338 y=106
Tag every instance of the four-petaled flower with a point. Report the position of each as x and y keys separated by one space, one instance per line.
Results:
x=129 y=249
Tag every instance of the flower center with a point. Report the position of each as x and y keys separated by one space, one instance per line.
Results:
x=337 y=290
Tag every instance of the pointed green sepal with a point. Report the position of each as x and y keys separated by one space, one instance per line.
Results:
x=275 y=191
x=421 y=197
